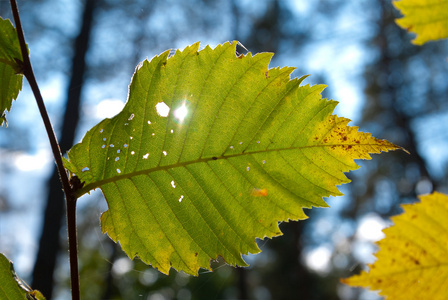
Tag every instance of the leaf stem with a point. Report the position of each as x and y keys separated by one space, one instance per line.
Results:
x=68 y=190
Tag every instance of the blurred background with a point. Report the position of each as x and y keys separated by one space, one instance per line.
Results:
x=84 y=54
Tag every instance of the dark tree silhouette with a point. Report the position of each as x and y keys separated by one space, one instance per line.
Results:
x=44 y=267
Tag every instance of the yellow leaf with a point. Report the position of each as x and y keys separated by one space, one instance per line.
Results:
x=413 y=258
x=426 y=18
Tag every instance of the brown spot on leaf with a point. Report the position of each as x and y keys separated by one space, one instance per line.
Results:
x=196 y=254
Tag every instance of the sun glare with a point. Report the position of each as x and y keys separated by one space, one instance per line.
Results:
x=181 y=113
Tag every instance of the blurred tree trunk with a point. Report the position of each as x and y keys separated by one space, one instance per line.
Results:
x=43 y=272
x=391 y=108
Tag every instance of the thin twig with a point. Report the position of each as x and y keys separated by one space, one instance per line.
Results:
x=69 y=192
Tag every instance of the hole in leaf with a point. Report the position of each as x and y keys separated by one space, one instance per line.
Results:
x=153 y=134
x=247 y=169
x=173 y=184
x=132 y=152
x=162 y=109
x=231 y=147
x=103 y=146
x=144 y=156
x=181 y=197
x=164 y=152
x=117 y=158
x=104 y=139
x=125 y=145
x=118 y=171
x=118 y=151
x=131 y=117
x=171 y=130
x=101 y=131
x=149 y=122
x=85 y=169
x=264 y=161
x=111 y=145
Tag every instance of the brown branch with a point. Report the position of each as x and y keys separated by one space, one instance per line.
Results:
x=69 y=192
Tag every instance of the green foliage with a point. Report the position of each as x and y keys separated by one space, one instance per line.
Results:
x=12 y=287
x=427 y=18
x=210 y=152
x=10 y=67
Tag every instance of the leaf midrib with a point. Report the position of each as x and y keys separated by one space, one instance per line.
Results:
x=98 y=183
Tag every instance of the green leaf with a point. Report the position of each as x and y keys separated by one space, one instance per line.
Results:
x=210 y=152
x=412 y=262
x=12 y=287
x=426 y=18
x=10 y=67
